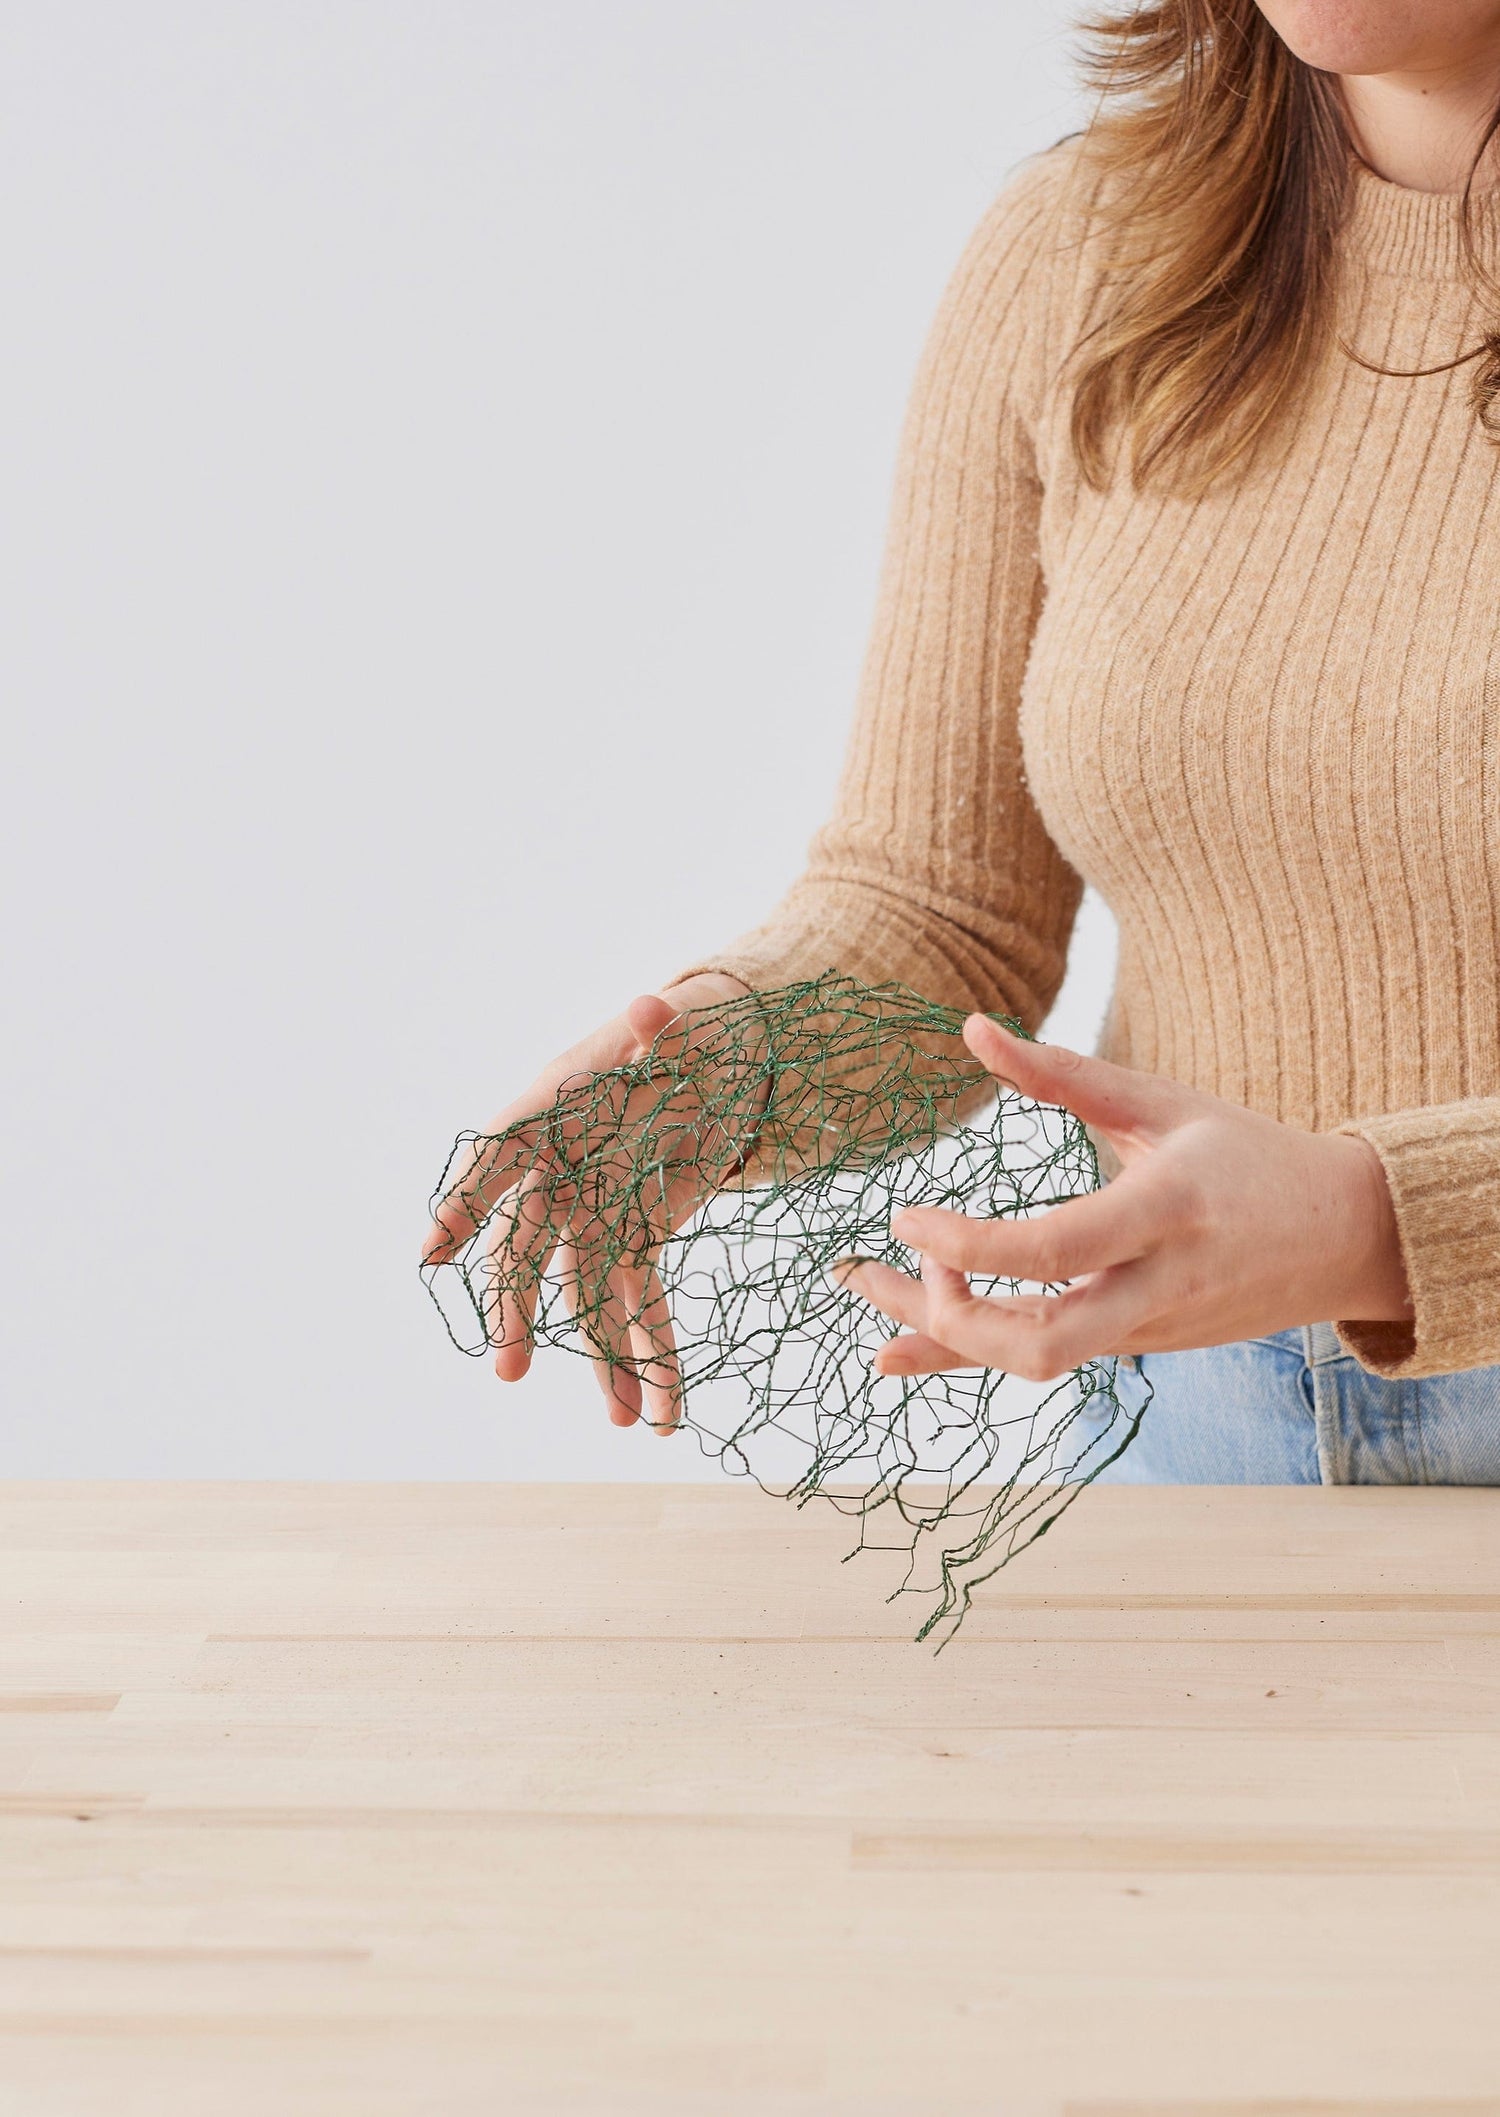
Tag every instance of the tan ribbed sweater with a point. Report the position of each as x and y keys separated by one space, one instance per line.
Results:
x=1264 y=724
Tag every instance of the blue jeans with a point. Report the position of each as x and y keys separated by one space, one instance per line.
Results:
x=1296 y=1409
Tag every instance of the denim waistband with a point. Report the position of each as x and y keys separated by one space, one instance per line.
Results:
x=1320 y=1344
x=1296 y=1408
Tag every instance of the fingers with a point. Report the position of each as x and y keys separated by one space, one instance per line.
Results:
x=498 y=1156
x=493 y=1163
x=1118 y=1100
x=653 y=1343
x=652 y=1012
x=502 y=1158
x=622 y=1313
x=894 y=1293
x=1040 y=1336
x=648 y=1016
x=628 y=1329
x=523 y=1234
x=914 y=1353
x=599 y=1307
x=609 y=1141
x=1035 y=1336
x=654 y=1351
x=905 y=1300
x=1112 y=1226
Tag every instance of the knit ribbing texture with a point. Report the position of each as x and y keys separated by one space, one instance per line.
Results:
x=1264 y=724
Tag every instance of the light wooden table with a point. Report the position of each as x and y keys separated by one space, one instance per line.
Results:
x=450 y=1800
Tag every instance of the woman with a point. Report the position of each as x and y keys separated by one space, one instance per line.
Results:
x=1191 y=592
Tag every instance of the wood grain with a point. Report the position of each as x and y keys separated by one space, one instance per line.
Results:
x=423 y=1799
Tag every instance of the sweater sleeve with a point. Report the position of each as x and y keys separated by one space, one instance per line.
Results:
x=935 y=868
x=1443 y=1168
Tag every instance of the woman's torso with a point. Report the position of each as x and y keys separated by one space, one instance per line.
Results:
x=1266 y=724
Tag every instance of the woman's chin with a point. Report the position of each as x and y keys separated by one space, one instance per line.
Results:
x=1364 y=36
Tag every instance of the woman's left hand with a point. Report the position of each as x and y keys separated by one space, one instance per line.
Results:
x=1222 y=1224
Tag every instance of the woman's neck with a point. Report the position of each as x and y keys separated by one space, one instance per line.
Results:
x=1422 y=128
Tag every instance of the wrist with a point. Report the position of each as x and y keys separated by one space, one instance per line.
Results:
x=1377 y=1289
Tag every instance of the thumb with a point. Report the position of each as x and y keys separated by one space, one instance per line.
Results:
x=648 y=1016
x=1117 y=1100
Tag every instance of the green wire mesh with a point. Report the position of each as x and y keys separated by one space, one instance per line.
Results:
x=676 y=1219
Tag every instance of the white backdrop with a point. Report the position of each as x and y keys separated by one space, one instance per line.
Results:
x=446 y=446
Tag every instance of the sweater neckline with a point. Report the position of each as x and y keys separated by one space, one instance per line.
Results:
x=1416 y=234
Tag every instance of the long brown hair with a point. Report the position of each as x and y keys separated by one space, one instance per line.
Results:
x=1226 y=167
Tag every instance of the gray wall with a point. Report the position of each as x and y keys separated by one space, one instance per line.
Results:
x=445 y=450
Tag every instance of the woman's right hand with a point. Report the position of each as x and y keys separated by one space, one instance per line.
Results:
x=533 y=1218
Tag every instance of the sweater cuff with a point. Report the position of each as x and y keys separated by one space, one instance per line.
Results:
x=1443 y=1169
